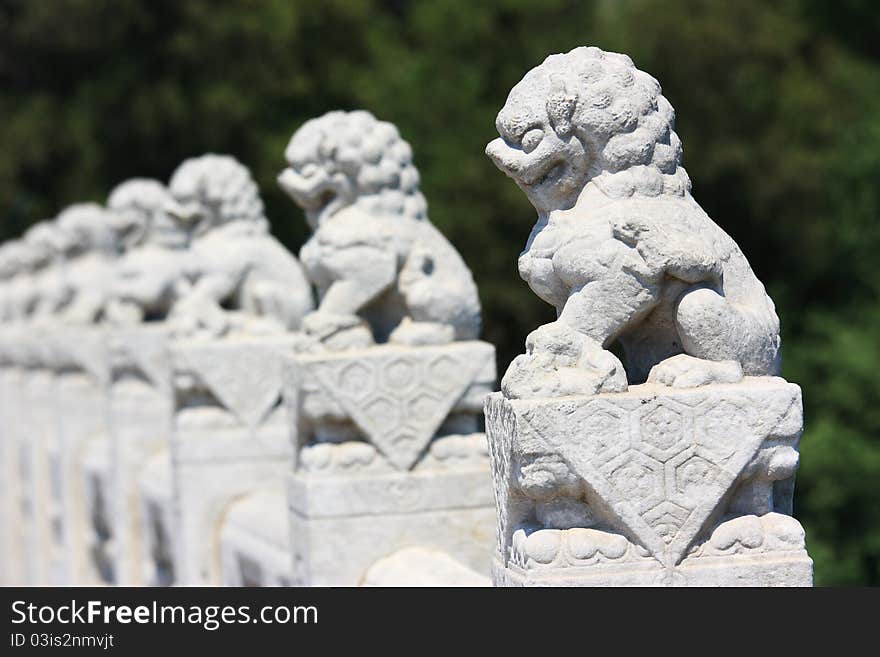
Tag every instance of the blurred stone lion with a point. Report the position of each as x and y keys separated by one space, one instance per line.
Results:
x=243 y=278
x=383 y=271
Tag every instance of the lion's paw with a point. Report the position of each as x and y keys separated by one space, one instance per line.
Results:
x=337 y=332
x=683 y=371
x=418 y=334
x=540 y=375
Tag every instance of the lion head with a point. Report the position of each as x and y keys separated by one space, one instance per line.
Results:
x=588 y=116
x=346 y=158
x=12 y=259
x=86 y=228
x=139 y=216
x=43 y=242
x=213 y=190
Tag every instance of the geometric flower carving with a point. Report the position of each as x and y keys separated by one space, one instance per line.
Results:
x=692 y=476
x=397 y=396
x=666 y=519
x=602 y=431
x=638 y=477
x=666 y=484
x=662 y=431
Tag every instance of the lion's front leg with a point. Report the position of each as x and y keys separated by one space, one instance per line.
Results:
x=358 y=275
x=570 y=356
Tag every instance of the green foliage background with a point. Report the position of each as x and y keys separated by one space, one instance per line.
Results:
x=778 y=106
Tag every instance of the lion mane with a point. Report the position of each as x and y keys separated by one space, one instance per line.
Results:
x=222 y=183
x=372 y=156
x=618 y=113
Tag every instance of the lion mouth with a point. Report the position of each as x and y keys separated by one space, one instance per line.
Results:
x=552 y=173
x=309 y=193
x=549 y=172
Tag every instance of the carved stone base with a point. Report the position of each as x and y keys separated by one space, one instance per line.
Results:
x=787 y=569
x=97 y=481
x=11 y=492
x=229 y=438
x=340 y=526
x=38 y=445
x=81 y=388
x=156 y=502
x=141 y=408
x=255 y=543
x=656 y=485
x=390 y=455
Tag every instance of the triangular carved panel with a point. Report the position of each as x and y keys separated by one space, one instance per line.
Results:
x=400 y=396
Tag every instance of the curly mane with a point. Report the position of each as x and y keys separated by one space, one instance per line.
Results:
x=370 y=153
x=220 y=182
x=619 y=115
x=142 y=194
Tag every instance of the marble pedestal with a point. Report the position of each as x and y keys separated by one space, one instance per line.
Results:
x=156 y=512
x=229 y=438
x=81 y=387
x=40 y=474
x=96 y=477
x=653 y=486
x=11 y=493
x=390 y=454
x=255 y=540
x=141 y=410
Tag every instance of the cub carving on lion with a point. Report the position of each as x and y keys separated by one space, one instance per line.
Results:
x=621 y=248
x=383 y=271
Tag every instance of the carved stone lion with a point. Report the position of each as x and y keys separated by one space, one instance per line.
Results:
x=382 y=270
x=44 y=290
x=89 y=245
x=621 y=248
x=236 y=264
x=151 y=273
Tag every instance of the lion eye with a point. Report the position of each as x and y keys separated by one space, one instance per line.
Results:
x=531 y=139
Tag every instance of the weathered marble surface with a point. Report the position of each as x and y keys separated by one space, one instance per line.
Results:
x=81 y=379
x=156 y=512
x=38 y=458
x=651 y=486
x=97 y=482
x=389 y=453
x=141 y=405
x=229 y=437
x=601 y=478
x=11 y=481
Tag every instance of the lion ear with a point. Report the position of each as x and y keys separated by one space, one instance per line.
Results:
x=560 y=107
